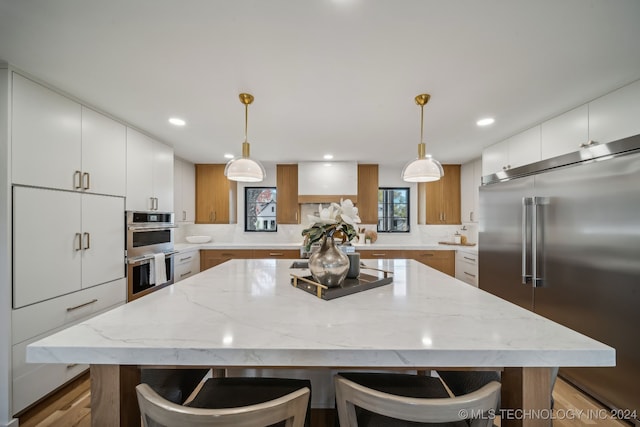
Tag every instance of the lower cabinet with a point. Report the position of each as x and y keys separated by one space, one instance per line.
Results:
x=32 y=381
x=212 y=257
x=467 y=267
x=440 y=260
x=186 y=265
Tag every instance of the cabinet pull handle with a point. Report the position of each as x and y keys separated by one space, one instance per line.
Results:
x=185 y=274
x=469 y=274
x=427 y=254
x=77 y=180
x=184 y=215
x=471 y=216
x=151 y=199
x=78 y=246
x=82 y=305
x=87 y=241
x=72 y=365
x=227 y=254
x=185 y=258
x=86 y=181
x=470 y=259
x=588 y=144
x=210 y=216
x=214 y=216
x=276 y=254
x=379 y=254
x=157 y=203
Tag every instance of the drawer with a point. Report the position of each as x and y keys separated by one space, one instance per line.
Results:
x=38 y=318
x=383 y=254
x=32 y=381
x=467 y=257
x=467 y=272
x=186 y=266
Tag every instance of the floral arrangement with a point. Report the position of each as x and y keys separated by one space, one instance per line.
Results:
x=335 y=219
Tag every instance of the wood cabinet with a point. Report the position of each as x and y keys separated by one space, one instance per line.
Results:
x=288 y=209
x=470 y=181
x=58 y=143
x=215 y=195
x=516 y=151
x=440 y=260
x=149 y=173
x=441 y=199
x=184 y=190
x=81 y=244
x=368 y=193
x=212 y=257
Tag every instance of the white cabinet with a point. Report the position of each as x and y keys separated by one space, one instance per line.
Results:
x=57 y=143
x=565 y=133
x=615 y=115
x=467 y=267
x=186 y=265
x=104 y=154
x=184 y=190
x=45 y=136
x=63 y=242
x=516 y=151
x=328 y=178
x=149 y=173
x=470 y=181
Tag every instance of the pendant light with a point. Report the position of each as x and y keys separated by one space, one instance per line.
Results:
x=244 y=168
x=425 y=168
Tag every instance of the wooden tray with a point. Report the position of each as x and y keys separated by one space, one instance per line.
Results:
x=457 y=244
x=350 y=286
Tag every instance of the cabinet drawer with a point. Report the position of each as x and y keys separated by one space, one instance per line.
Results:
x=32 y=381
x=383 y=254
x=277 y=253
x=38 y=318
x=187 y=265
x=467 y=257
x=467 y=268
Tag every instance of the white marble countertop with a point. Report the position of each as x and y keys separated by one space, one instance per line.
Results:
x=246 y=313
x=183 y=247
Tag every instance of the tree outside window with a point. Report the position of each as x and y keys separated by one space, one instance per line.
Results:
x=260 y=209
x=393 y=210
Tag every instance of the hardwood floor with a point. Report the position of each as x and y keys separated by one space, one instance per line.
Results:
x=71 y=407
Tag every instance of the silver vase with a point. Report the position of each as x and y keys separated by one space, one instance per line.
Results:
x=329 y=265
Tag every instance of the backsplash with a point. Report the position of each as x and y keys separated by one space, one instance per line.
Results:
x=234 y=233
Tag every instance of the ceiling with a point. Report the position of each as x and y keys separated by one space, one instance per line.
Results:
x=328 y=76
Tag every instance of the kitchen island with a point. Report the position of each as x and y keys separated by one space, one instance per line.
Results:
x=246 y=313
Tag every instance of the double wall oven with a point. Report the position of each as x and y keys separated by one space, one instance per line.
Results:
x=148 y=234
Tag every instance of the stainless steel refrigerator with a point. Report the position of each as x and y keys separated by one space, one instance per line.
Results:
x=561 y=237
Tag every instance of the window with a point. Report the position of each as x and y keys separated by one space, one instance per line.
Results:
x=393 y=210
x=260 y=209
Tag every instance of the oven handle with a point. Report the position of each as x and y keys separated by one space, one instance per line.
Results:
x=155 y=228
x=138 y=260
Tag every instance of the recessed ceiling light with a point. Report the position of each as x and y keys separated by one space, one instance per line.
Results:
x=177 y=122
x=486 y=121
x=229 y=156
x=328 y=156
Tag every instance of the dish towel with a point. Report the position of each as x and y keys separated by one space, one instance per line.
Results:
x=158 y=271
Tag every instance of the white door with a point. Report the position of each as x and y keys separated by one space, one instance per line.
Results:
x=615 y=116
x=139 y=171
x=466 y=191
x=189 y=191
x=177 y=190
x=495 y=158
x=104 y=154
x=565 y=133
x=45 y=137
x=163 y=177
x=524 y=148
x=103 y=239
x=46 y=244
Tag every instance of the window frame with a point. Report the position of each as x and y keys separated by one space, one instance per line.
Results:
x=408 y=203
x=246 y=202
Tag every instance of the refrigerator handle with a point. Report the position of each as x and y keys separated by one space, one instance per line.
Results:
x=526 y=203
x=536 y=280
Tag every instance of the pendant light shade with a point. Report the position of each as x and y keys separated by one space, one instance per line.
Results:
x=424 y=168
x=245 y=169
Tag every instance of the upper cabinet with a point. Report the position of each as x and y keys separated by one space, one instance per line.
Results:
x=58 y=143
x=149 y=174
x=441 y=199
x=519 y=150
x=470 y=181
x=368 y=193
x=288 y=210
x=565 y=133
x=215 y=195
x=184 y=190
x=615 y=115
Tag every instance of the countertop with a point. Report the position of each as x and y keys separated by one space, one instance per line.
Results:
x=246 y=313
x=185 y=247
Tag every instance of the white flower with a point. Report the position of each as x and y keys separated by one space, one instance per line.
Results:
x=348 y=212
x=334 y=213
x=326 y=216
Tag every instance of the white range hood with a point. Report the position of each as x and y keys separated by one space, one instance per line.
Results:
x=323 y=182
